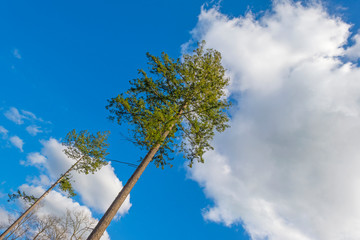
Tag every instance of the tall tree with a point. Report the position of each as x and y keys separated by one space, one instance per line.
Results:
x=88 y=150
x=178 y=106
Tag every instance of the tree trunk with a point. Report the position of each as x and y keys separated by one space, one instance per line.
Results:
x=114 y=207
x=37 y=201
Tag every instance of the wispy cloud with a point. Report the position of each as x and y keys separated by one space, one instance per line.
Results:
x=3 y=132
x=289 y=166
x=17 y=142
x=14 y=115
x=16 y=53
x=30 y=115
x=33 y=130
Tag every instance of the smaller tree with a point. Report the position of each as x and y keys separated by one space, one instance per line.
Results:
x=71 y=225
x=89 y=152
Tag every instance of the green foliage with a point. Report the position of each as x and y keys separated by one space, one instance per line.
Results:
x=90 y=148
x=186 y=97
x=65 y=185
x=22 y=195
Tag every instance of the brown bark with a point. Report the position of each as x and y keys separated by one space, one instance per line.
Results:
x=114 y=207
x=37 y=201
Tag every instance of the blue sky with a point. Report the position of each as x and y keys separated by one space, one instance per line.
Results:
x=61 y=61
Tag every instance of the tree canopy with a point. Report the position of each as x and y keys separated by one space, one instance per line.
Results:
x=89 y=150
x=193 y=85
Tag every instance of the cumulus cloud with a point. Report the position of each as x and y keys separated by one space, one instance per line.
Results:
x=289 y=167
x=33 y=130
x=17 y=142
x=96 y=190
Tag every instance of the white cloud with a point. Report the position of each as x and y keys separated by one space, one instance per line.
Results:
x=100 y=190
x=3 y=216
x=96 y=190
x=35 y=158
x=17 y=142
x=13 y=115
x=30 y=115
x=354 y=51
x=289 y=166
x=57 y=204
x=42 y=180
x=16 y=53
x=33 y=130
x=3 y=131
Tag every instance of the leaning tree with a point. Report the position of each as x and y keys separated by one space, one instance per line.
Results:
x=88 y=150
x=176 y=107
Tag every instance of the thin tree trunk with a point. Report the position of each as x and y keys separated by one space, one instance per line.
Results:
x=40 y=232
x=114 y=207
x=37 y=201
x=14 y=232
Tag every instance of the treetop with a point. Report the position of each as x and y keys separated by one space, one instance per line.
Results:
x=91 y=148
x=185 y=96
